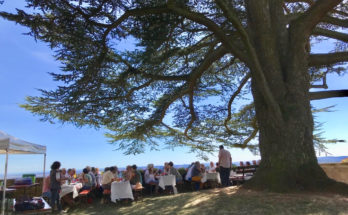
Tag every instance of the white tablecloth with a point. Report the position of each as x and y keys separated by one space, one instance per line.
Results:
x=121 y=190
x=215 y=176
x=168 y=180
x=74 y=188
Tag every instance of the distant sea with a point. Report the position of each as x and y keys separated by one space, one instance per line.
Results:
x=328 y=159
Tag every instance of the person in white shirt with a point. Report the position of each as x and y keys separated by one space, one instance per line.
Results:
x=150 y=178
x=150 y=175
x=211 y=168
x=189 y=172
x=108 y=177
x=225 y=164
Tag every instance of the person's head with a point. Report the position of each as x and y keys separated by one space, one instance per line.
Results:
x=63 y=171
x=74 y=170
x=129 y=168
x=106 y=169
x=150 y=166
x=88 y=168
x=70 y=172
x=93 y=170
x=221 y=147
x=97 y=170
x=170 y=164
x=217 y=164
x=197 y=164
x=211 y=164
x=85 y=171
x=134 y=167
x=113 y=169
x=55 y=165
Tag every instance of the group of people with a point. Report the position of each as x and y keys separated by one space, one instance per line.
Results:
x=195 y=170
x=91 y=178
x=112 y=174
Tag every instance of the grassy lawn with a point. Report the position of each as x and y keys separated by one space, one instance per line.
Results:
x=232 y=200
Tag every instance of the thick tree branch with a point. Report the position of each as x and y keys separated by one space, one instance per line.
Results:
x=167 y=99
x=136 y=12
x=336 y=21
x=331 y=34
x=328 y=94
x=210 y=57
x=307 y=21
x=212 y=26
x=254 y=64
x=318 y=60
x=234 y=95
x=250 y=137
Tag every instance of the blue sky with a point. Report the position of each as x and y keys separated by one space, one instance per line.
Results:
x=24 y=67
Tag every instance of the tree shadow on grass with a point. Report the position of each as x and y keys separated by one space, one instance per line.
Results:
x=232 y=200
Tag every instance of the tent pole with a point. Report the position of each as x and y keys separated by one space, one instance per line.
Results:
x=4 y=186
x=44 y=170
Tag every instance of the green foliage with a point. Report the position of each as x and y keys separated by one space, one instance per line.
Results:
x=320 y=143
x=182 y=171
x=177 y=85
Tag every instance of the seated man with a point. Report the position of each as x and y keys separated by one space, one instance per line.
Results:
x=108 y=177
x=86 y=180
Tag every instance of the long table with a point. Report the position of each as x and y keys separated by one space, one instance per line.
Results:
x=24 y=187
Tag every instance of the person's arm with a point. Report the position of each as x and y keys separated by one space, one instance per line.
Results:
x=58 y=176
x=219 y=157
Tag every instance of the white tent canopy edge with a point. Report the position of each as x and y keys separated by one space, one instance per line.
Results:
x=13 y=145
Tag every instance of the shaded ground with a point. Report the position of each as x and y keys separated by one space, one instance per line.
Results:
x=232 y=200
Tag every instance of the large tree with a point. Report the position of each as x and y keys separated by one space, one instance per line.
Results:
x=187 y=62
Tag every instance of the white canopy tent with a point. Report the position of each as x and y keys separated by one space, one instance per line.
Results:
x=12 y=145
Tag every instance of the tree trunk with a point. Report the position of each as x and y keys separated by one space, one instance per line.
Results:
x=286 y=145
x=288 y=157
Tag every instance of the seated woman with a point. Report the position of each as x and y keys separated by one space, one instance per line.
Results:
x=197 y=175
x=165 y=169
x=128 y=175
x=63 y=176
x=150 y=176
x=135 y=180
x=203 y=170
x=189 y=172
x=212 y=168
x=173 y=171
x=86 y=180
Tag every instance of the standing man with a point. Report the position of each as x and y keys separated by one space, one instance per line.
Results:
x=225 y=164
